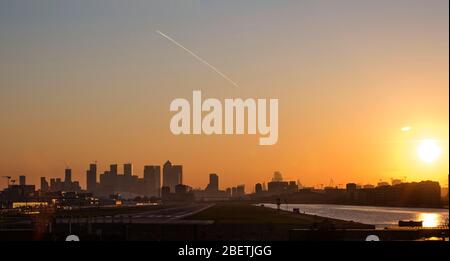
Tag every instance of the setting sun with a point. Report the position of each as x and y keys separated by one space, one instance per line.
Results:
x=428 y=150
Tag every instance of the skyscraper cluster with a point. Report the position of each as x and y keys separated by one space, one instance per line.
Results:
x=56 y=184
x=128 y=184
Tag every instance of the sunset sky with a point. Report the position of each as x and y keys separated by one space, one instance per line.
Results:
x=92 y=80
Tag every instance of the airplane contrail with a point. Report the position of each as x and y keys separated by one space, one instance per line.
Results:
x=198 y=58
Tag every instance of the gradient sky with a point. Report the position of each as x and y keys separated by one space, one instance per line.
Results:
x=91 y=80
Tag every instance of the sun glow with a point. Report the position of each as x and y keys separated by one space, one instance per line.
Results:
x=428 y=150
x=430 y=219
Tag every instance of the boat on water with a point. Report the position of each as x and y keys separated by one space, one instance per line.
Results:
x=410 y=223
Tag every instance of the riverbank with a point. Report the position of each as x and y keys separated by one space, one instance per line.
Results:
x=381 y=217
x=245 y=213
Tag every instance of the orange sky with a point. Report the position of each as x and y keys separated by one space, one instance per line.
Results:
x=84 y=82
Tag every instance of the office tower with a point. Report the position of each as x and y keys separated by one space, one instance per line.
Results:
x=22 y=180
x=240 y=190
x=152 y=180
x=44 y=184
x=172 y=175
x=128 y=169
x=177 y=171
x=93 y=167
x=126 y=181
x=213 y=182
x=258 y=188
x=52 y=184
x=68 y=176
x=91 y=178
x=167 y=172
x=113 y=169
x=56 y=184
x=76 y=186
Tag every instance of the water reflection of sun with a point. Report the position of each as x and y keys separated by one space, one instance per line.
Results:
x=429 y=219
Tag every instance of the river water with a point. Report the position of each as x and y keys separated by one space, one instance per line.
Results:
x=378 y=216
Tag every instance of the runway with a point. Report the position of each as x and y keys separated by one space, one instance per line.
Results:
x=168 y=214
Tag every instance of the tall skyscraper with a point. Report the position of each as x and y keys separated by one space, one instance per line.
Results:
x=91 y=178
x=258 y=188
x=152 y=180
x=44 y=184
x=213 y=182
x=128 y=169
x=113 y=169
x=177 y=171
x=52 y=184
x=68 y=176
x=22 y=180
x=172 y=175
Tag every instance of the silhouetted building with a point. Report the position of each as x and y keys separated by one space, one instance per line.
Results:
x=22 y=180
x=56 y=184
x=91 y=178
x=44 y=185
x=258 y=188
x=113 y=169
x=172 y=175
x=181 y=189
x=128 y=169
x=239 y=191
x=277 y=177
x=129 y=185
x=277 y=186
x=415 y=194
x=213 y=182
x=16 y=193
x=292 y=187
x=212 y=192
x=152 y=180
x=351 y=186
x=183 y=193
x=67 y=176
x=165 y=192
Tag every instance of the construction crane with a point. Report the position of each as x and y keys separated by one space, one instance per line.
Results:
x=7 y=179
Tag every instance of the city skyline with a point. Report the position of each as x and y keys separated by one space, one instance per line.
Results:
x=361 y=86
x=165 y=178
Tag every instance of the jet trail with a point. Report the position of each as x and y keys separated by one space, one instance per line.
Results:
x=198 y=58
